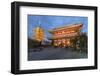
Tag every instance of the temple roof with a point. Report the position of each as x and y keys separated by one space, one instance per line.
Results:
x=66 y=27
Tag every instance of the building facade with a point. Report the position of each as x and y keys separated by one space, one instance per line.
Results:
x=38 y=34
x=62 y=36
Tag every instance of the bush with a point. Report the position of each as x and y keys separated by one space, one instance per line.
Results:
x=33 y=43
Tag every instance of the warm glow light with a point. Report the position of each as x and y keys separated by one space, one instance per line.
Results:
x=39 y=34
x=61 y=36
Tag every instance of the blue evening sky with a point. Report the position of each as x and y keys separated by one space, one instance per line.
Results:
x=48 y=22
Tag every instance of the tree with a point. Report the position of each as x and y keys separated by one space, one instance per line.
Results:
x=32 y=43
x=79 y=42
x=83 y=41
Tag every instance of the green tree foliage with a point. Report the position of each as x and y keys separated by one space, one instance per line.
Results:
x=79 y=42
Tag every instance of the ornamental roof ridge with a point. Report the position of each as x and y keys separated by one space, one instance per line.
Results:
x=67 y=26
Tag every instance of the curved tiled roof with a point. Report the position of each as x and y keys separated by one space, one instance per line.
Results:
x=66 y=27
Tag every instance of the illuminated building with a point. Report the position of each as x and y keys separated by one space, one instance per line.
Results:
x=61 y=36
x=38 y=34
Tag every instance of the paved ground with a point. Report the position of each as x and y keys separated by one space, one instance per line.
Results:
x=51 y=53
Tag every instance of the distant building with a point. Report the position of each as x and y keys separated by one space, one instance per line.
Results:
x=61 y=36
x=38 y=34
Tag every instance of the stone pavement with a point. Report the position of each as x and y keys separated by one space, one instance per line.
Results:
x=52 y=53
